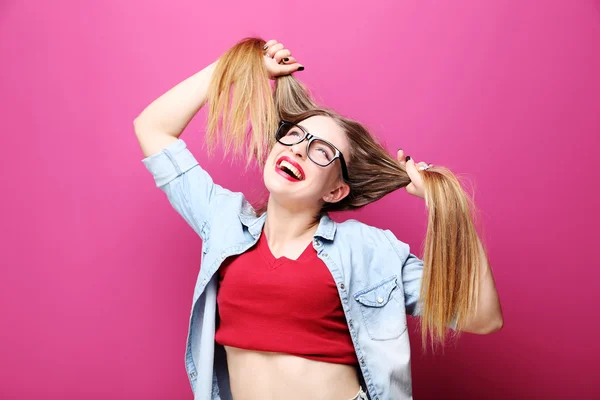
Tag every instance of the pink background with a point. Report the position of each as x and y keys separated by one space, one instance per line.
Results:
x=98 y=272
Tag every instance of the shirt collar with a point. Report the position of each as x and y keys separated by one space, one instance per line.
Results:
x=249 y=219
x=326 y=229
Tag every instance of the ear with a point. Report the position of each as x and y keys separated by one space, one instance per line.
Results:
x=337 y=194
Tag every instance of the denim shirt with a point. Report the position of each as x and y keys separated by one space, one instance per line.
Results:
x=377 y=278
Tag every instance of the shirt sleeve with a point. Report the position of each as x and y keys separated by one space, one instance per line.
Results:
x=412 y=273
x=189 y=188
x=412 y=277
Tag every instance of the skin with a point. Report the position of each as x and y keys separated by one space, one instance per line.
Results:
x=289 y=228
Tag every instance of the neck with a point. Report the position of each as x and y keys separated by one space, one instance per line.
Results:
x=284 y=224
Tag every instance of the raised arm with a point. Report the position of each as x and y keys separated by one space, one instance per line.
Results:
x=176 y=171
x=458 y=285
x=161 y=123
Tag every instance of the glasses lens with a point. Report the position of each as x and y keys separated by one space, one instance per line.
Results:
x=289 y=134
x=321 y=152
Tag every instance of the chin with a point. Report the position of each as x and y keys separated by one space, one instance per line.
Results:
x=282 y=191
x=275 y=185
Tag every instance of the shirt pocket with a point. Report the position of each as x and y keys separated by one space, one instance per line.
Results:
x=382 y=308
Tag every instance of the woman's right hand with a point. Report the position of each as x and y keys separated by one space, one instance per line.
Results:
x=279 y=60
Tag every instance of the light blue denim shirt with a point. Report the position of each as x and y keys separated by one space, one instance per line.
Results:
x=377 y=277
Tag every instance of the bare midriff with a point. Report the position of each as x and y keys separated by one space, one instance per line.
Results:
x=257 y=375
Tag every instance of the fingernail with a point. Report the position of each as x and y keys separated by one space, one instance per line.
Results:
x=399 y=148
x=301 y=69
x=286 y=59
x=407 y=158
x=265 y=47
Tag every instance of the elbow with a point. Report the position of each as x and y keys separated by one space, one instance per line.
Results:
x=141 y=127
x=499 y=324
x=137 y=125
x=492 y=327
x=485 y=327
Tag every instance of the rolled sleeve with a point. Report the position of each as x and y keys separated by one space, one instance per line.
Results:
x=189 y=188
x=170 y=163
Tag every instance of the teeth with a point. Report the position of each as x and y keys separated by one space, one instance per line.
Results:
x=290 y=167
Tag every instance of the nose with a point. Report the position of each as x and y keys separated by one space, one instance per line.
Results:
x=299 y=149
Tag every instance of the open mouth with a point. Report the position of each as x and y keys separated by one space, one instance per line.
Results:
x=289 y=169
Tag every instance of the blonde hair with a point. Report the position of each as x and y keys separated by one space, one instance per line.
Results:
x=246 y=124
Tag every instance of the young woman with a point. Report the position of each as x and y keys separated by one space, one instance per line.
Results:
x=290 y=304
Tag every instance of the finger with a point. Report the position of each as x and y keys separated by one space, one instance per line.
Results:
x=274 y=49
x=281 y=54
x=289 y=60
x=401 y=156
x=285 y=69
x=412 y=172
x=269 y=44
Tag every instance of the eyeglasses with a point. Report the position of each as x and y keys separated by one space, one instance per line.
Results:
x=320 y=151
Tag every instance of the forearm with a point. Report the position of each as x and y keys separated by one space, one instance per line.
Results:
x=489 y=312
x=171 y=112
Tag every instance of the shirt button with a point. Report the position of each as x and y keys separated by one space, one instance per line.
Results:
x=350 y=323
x=316 y=243
x=362 y=361
x=204 y=282
x=223 y=256
x=380 y=300
x=342 y=286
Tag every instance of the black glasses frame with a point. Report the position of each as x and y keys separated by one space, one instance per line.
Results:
x=311 y=138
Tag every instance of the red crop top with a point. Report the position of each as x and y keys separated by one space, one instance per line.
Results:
x=282 y=305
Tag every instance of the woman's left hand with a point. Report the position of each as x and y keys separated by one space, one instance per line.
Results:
x=415 y=187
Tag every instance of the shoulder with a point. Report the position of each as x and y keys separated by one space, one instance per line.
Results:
x=354 y=228
x=362 y=235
